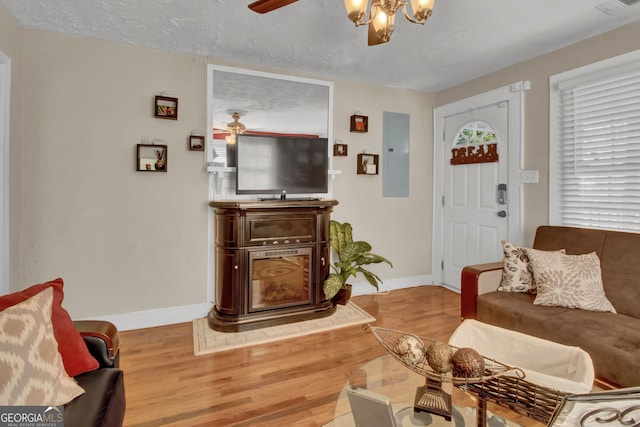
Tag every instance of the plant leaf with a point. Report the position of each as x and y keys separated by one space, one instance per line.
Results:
x=337 y=236
x=370 y=258
x=371 y=278
x=354 y=250
x=332 y=285
x=348 y=232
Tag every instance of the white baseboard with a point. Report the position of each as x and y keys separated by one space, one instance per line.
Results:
x=156 y=317
x=186 y=313
x=451 y=288
x=365 y=288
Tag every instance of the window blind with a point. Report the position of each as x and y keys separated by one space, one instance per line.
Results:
x=599 y=153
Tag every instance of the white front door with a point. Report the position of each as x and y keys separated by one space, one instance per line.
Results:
x=479 y=197
x=475 y=218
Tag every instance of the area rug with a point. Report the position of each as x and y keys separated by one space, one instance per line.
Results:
x=207 y=341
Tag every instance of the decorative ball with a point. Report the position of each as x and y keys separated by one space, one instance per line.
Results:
x=439 y=357
x=467 y=363
x=410 y=349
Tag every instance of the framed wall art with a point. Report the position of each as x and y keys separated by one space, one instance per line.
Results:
x=166 y=107
x=151 y=158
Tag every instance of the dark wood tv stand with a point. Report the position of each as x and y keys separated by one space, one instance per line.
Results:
x=271 y=259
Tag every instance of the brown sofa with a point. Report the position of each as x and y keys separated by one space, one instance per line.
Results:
x=612 y=340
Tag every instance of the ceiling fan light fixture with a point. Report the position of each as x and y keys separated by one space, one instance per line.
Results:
x=235 y=127
x=382 y=15
x=384 y=25
x=422 y=9
x=356 y=10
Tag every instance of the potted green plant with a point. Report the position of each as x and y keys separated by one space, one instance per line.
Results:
x=351 y=259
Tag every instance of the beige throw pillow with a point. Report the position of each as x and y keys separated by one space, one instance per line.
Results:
x=572 y=281
x=31 y=369
x=516 y=273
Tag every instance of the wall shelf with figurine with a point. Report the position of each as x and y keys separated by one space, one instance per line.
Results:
x=340 y=150
x=368 y=164
x=196 y=143
x=151 y=158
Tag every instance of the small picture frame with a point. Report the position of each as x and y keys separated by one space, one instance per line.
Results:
x=196 y=143
x=359 y=124
x=368 y=164
x=340 y=150
x=166 y=107
x=151 y=158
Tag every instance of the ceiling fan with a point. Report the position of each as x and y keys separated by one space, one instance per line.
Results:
x=381 y=16
x=265 y=6
x=231 y=129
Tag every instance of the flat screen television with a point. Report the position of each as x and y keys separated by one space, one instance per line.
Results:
x=281 y=165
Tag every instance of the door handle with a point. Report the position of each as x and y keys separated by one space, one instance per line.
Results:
x=502 y=214
x=502 y=194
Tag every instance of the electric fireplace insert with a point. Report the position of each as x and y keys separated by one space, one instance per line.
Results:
x=279 y=278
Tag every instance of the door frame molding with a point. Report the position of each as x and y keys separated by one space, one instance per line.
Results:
x=512 y=93
x=5 y=107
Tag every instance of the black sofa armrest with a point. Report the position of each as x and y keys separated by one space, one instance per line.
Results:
x=102 y=341
x=102 y=405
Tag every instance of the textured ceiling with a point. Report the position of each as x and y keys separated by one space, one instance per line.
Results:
x=463 y=39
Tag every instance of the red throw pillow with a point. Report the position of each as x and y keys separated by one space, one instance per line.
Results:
x=74 y=352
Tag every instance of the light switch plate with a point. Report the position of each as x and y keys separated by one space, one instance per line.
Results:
x=528 y=177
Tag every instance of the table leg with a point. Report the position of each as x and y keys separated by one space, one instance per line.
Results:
x=481 y=415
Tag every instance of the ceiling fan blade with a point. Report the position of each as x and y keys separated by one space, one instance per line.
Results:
x=373 y=38
x=264 y=6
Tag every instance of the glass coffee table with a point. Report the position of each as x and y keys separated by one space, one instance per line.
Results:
x=384 y=380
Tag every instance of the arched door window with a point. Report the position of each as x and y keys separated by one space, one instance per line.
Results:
x=477 y=132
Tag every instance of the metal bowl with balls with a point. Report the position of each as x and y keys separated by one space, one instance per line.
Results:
x=440 y=361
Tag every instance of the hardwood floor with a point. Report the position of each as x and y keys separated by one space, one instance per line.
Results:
x=287 y=383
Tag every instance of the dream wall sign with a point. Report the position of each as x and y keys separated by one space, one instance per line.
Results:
x=484 y=153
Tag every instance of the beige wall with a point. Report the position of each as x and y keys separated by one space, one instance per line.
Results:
x=123 y=241
x=135 y=242
x=536 y=119
x=397 y=228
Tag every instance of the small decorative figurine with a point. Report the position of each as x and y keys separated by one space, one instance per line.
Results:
x=160 y=162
